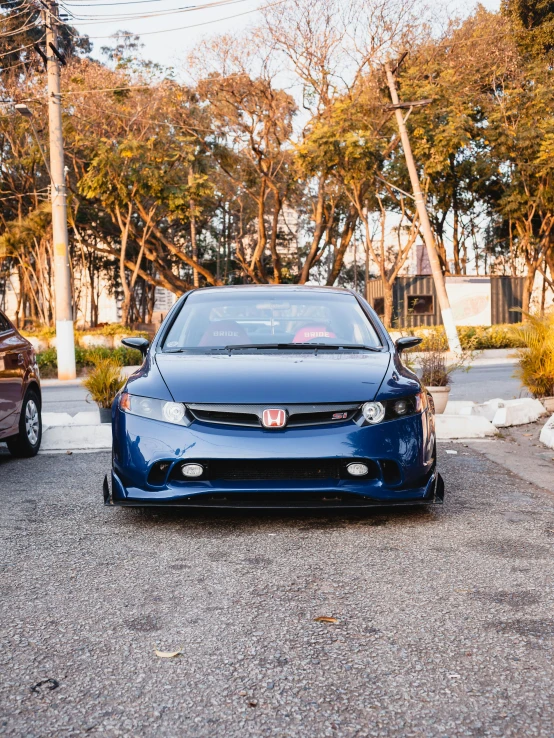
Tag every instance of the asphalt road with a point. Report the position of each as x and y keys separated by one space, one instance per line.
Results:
x=445 y=617
x=481 y=383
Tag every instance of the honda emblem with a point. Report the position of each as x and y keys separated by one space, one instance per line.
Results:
x=274 y=418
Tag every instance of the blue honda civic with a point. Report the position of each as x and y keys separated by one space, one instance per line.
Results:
x=273 y=397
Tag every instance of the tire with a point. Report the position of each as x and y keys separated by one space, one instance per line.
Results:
x=27 y=442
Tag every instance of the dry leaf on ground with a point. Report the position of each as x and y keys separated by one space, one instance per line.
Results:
x=167 y=654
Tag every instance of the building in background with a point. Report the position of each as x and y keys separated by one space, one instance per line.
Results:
x=474 y=300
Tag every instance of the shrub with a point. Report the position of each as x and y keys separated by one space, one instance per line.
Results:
x=472 y=338
x=48 y=360
x=104 y=381
x=536 y=360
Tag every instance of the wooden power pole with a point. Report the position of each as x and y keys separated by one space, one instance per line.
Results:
x=438 y=277
x=65 y=342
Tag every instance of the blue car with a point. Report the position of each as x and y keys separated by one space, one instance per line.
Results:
x=273 y=396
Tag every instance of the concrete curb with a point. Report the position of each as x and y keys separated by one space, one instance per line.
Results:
x=77 y=438
x=463 y=427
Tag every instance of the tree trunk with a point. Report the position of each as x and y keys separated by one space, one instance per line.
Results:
x=388 y=303
x=346 y=237
x=528 y=289
x=456 y=239
x=273 y=241
x=318 y=233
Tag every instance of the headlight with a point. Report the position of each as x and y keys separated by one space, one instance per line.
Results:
x=146 y=407
x=377 y=412
x=373 y=412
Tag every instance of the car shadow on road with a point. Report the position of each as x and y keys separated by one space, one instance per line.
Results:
x=241 y=520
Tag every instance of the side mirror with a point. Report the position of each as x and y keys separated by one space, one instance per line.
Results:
x=407 y=342
x=141 y=344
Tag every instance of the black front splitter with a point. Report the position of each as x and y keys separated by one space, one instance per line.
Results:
x=436 y=498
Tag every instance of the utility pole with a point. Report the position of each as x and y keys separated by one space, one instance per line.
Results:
x=65 y=341
x=440 y=286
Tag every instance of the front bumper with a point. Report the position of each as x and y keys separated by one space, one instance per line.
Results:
x=139 y=443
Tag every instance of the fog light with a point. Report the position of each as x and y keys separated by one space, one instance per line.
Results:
x=401 y=407
x=192 y=470
x=373 y=412
x=357 y=470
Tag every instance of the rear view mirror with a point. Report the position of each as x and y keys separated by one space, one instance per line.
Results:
x=141 y=344
x=407 y=342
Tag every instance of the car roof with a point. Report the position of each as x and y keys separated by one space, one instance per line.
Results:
x=284 y=287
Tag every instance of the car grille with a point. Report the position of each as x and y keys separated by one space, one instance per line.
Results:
x=250 y=415
x=267 y=470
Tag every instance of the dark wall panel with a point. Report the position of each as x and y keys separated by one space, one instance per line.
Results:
x=506 y=294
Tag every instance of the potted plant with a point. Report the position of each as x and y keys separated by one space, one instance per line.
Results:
x=103 y=383
x=435 y=376
x=434 y=372
x=536 y=360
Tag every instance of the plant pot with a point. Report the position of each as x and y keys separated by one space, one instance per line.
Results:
x=440 y=398
x=105 y=414
x=548 y=403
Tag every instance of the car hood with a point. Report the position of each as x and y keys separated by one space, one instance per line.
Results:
x=273 y=379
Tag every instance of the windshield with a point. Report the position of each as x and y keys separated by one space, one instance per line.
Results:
x=216 y=319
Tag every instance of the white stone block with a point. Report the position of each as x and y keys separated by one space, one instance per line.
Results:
x=91 y=417
x=52 y=420
x=489 y=409
x=547 y=433
x=77 y=438
x=518 y=412
x=55 y=420
x=459 y=407
x=450 y=427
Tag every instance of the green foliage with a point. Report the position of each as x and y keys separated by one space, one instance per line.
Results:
x=105 y=380
x=536 y=360
x=110 y=329
x=19 y=233
x=123 y=356
x=533 y=24
x=472 y=338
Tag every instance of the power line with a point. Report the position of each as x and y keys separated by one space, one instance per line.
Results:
x=103 y=19
x=94 y=5
x=20 y=48
x=17 y=31
x=182 y=28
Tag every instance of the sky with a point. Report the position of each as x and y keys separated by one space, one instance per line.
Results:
x=168 y=37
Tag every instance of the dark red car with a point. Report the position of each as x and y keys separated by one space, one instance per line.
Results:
x=20 y=398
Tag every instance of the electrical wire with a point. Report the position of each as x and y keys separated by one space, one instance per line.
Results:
x=20 y=48
x=26 y=9
x=94 y=5
x=103 y=19
x=181 y=28
x=20 y=30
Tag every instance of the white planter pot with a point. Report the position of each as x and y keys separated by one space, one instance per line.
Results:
x=440 y=398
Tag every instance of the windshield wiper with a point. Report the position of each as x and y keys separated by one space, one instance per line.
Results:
x=300 y=346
